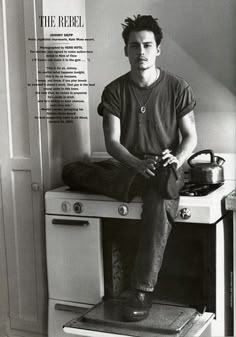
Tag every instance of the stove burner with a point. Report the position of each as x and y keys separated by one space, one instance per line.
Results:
x=194 y=190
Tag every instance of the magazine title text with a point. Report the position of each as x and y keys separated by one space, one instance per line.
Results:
x=60 y=21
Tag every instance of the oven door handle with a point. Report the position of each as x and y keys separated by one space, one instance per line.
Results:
x=81 y=223
x=71 y=308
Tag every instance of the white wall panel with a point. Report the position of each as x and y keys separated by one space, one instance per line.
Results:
x=16 y=64
x=24 y=225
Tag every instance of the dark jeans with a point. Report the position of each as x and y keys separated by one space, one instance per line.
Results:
x=118 y=181
x=156 y=218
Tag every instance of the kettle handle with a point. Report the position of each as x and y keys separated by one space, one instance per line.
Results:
x=208 y=151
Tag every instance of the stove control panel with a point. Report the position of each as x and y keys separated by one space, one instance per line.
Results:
x=185 y=213
x=198 y=209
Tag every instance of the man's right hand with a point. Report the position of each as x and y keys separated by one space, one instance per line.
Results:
x=147 y=167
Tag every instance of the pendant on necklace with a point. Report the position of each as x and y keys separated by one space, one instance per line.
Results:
x=143 y=109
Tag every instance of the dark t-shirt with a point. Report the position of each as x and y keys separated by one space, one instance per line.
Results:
x=166 y=100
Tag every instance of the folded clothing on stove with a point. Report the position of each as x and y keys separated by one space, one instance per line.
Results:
x=114 y=179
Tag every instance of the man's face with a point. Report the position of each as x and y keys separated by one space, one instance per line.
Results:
x=142 y=50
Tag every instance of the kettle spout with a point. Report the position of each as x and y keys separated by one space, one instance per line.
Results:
x=219 y=160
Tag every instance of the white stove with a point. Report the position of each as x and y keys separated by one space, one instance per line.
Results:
x=74 y=248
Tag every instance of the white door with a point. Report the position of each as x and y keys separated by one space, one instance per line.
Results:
x=21 y=174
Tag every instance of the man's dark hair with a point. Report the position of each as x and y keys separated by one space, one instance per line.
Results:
x=142 y=22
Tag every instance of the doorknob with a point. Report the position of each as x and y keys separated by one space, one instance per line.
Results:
x=35 y=187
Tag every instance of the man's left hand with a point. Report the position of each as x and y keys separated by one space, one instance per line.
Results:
x=168 y=158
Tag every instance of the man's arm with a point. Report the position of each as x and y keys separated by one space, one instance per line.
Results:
x=188 y=143
x=111 y=129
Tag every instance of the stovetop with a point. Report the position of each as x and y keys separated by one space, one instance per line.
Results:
x=193 y=190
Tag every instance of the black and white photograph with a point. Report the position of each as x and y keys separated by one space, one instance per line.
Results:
x=117 y=168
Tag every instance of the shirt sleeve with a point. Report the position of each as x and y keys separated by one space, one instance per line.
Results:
x=185 y=101
x=109 y=101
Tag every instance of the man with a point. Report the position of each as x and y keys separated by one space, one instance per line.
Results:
x=143 y=113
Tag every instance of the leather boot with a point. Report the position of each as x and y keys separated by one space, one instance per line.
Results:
x=137 y=307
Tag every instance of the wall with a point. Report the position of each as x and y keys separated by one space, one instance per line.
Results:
x=199 y=45
x=66 y=143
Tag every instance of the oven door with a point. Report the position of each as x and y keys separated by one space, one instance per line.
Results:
x=105 y=320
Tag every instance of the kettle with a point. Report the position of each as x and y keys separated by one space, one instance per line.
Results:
x=211 y=172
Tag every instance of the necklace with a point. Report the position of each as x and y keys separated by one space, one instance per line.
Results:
x=143 y=107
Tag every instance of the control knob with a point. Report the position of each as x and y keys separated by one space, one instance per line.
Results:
x=185 y=213
x=123 y=210
x=78 y=207
x=65 y=206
